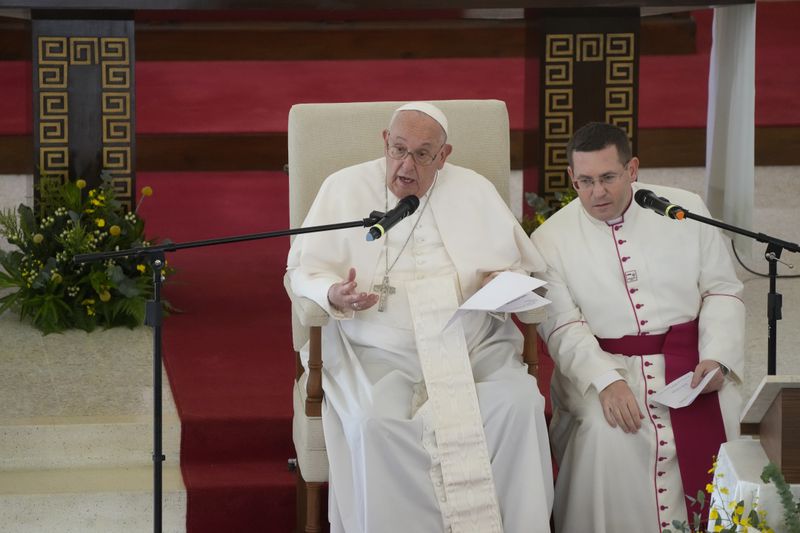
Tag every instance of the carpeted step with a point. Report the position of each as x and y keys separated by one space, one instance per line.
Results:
x=248 y=497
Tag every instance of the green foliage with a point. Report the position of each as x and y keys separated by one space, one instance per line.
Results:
x=542 y=209
x=46 y=287
x=791 y=510
x=736 y=518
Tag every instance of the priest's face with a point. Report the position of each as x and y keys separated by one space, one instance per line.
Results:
x=603 y=182
x=415 y=149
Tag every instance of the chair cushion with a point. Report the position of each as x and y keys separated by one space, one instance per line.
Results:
x=309 y=441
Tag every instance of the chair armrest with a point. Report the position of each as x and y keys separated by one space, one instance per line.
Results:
x=308 y=312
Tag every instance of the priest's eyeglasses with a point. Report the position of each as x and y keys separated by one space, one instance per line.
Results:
x=606 y=180
x=422 y=157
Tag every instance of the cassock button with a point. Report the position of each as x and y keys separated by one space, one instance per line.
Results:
x=649 y=376
x=650 y=391
x=662 y=459
x=662 y=443
x=643 y=322
x=653 y=406
x=660 y=426
x=625 y=258
x=664 y=524
x=618 y=227
x=659 y=475
x=664 y=507
x=621 y=241
x=661 y=491
x=639 y=306
x=647 y=363
x=633 y=290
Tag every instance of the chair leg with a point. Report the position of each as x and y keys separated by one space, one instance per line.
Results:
x=313 y=507
x=309 y=505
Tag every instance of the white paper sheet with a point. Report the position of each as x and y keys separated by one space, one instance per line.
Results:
x=680 y=393
x=508 y=292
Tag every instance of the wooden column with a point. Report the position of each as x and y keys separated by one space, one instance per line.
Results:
x=83 y=98
x=580 y=66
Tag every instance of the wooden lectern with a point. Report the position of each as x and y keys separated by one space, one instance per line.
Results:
x=773 y=414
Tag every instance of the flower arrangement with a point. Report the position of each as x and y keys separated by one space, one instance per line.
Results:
x=542 y=209
x=736 y=517
x=52 y=291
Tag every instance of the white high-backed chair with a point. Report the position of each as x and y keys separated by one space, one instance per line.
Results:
x=324 y=138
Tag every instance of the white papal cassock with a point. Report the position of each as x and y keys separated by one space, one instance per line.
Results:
x=426 y=431
x=637 y=276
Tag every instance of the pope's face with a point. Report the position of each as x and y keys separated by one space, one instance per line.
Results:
x=603 y=182
x=420 y=138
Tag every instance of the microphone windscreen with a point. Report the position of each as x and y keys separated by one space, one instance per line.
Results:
x=412 y=202
x=641 y=196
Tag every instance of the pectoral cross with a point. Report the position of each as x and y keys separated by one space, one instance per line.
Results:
x=384 y=290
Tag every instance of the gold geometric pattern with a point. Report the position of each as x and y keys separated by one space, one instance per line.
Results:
x=57 y=54
x=83 y=51
x=116 y=115
x=563 y=53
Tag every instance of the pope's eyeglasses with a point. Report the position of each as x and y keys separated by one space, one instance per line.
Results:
x=422 y=157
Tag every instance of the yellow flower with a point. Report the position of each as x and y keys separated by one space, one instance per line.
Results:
x=105 y=296
x=88 y=301
x=713 y=514
x=709 y=488
x=90 y=311
x=81 y=184
x=723 y=490
x=739 y=509
x=141 y=268
x=100 y=223
x=718 y=528
x=57 y=278
x=38 y=238
x=147 y=191
x=114 y=230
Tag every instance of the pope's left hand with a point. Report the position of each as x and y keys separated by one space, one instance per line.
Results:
x=703 y=368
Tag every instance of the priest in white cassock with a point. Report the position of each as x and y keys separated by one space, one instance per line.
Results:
x=638 y=300
x=426 y=430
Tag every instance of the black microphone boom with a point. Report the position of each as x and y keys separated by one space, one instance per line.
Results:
x=404 y=207
x=660 y=205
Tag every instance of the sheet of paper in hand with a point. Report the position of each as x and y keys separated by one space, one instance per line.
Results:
x=680 y=393
x=508 y=292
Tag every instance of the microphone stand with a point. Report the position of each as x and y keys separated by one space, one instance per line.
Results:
x=774 y=299
x=155 y=256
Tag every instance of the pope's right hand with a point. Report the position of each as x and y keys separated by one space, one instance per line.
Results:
x=620 y=407
x=343 y=295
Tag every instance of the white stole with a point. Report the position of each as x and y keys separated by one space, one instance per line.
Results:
x=462 y=474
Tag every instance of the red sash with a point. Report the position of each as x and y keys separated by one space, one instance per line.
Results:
x=698 y=428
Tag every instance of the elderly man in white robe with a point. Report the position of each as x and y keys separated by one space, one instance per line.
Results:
x=427 y=430
x=638 y=300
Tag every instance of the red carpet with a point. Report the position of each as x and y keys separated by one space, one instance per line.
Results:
x=228 y=354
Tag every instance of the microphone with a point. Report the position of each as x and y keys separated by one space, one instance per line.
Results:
x=660 y=205
x=404 y=207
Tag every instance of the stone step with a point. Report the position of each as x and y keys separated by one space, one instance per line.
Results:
x=85 y=441
x=89 y=500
